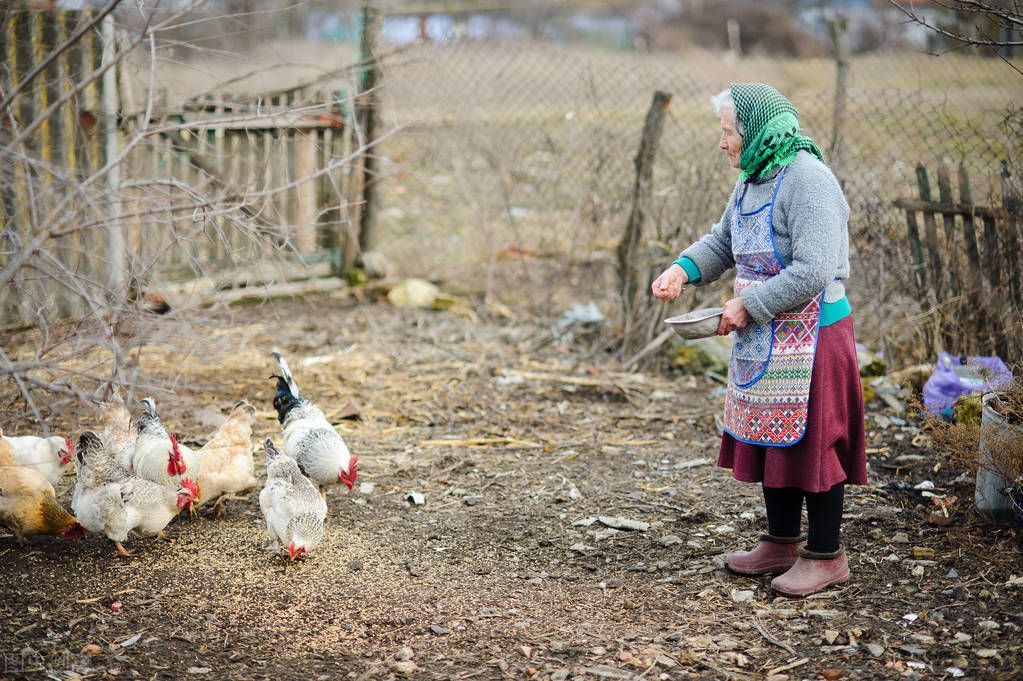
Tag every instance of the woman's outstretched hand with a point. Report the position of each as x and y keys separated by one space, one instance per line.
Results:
x=669 y=285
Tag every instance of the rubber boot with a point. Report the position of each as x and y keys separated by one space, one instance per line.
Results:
x=812 y=572
x=772 y=554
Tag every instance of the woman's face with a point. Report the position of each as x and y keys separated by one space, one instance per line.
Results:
x=731 y=141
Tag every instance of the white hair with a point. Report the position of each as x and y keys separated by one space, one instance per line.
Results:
x=723 y=103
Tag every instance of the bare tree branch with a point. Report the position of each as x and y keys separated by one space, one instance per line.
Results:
x=56 y=207
x=1012 y=17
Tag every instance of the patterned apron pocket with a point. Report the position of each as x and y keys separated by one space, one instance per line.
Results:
x=751 y=352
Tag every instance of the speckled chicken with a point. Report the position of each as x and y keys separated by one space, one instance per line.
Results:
x=226 y=460
x=111 y=500
x=150 y=460
x=49 y=456
x=293 y=508
x=119 y=433
x=309 y=438
x=28 y=504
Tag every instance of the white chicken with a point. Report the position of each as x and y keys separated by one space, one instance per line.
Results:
x=109 y=499
x=150 y=459
x=47 y=455
x=293 y=508
x=309 y=438
x=226 y=460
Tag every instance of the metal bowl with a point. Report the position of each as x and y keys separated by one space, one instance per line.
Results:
x=696 y=324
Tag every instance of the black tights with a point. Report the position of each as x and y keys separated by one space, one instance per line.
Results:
x=823 y=515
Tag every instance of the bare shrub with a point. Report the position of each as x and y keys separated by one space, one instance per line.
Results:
x=91 y=235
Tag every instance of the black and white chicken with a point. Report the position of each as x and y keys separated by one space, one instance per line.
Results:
x=309 y=438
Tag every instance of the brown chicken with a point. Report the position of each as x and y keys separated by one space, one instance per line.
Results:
x=28 y=504
x=225 y=462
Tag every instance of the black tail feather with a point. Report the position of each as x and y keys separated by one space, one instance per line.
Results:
x=286 y=373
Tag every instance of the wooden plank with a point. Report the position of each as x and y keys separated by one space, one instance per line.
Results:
x=951 y=248
x=973 y=279
x=960 y=208
x=991 y=259
x=1011 y=236
x=916 y=254
x=282 y=290
x=277 y=121
x=305 y=156
x=220 y=249
x=937 y=276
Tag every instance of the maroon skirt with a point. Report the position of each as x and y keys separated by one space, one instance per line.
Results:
x=833 y=449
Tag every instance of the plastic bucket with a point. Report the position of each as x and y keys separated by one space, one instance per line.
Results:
x=992 y=501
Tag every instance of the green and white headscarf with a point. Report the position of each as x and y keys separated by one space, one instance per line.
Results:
x=772 y=130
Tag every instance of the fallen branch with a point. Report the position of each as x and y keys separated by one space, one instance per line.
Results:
x=771 y=638
x=614 y=379
x=482 y=442
x=785 y=667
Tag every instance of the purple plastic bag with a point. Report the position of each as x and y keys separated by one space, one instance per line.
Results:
x=953 y=377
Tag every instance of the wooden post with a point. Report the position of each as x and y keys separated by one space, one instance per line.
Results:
x=840 y=35
x=734 y=38
x=916 y=254
x=930 y=231
x=937 y=275
x=973 y=283
x=1012 y=237
x=633 y=261
x=368 y=118
x=949 y=221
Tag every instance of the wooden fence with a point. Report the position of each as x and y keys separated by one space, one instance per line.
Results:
x=45 y=53
x=184 y=180
x=275 y=159
x=967 y=273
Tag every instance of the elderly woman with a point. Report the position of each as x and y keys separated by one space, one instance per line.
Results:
x=794 y=408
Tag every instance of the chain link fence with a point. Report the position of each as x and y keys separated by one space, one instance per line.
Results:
x=514 y=167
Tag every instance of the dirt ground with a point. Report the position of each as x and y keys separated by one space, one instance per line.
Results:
x=527 y=452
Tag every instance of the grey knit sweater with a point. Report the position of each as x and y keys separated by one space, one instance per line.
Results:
x=811 y=235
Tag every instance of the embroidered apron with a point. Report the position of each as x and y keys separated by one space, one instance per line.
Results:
x=771 y=365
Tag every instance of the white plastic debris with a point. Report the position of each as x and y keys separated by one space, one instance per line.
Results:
x=692 y=463
x=742 y=595
x=620 y=523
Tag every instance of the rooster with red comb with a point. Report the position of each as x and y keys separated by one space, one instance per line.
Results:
x=309 y=438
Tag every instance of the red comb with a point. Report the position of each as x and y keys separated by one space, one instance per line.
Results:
x=76 y=531
x=69 y=452
x=188 y=484
x=176 y=464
